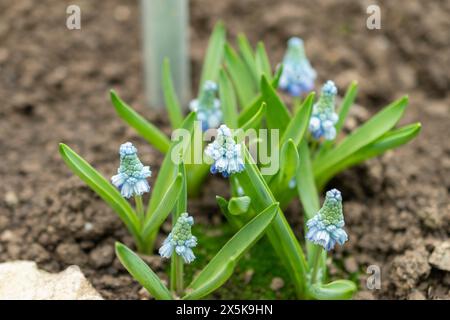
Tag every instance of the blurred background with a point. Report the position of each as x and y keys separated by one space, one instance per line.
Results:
x=54 y=86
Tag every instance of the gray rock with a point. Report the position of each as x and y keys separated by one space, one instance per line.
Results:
x=22 y=280
x=440 y=257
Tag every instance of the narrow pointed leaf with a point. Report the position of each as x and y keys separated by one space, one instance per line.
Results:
x=101 y=186
x=220 y=268
x=364 y=135
x=147 y=130
x=278 y=116
x=168 y=168
x=228 y=100
x=289 y=161
x=390 y=140
x=306 y=186
x=262 y=62
x=165 y=206
x=214 y=54
x=242 y=79
x=346 y=104
x=255 y=121
x=298 y=125
x=142 y=273
x=170 y=97
x=279 y=232
x=246 y=51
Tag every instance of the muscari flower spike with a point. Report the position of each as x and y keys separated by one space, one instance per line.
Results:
x=226 y=153
x=323 y=116
x=298 y=76
x=326 y=227
x=207 y=106
x=180 y=240
x=131 y=177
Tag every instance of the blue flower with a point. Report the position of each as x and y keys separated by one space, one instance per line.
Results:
x=180 y=240
x=298 y=76
x=131 y=177
x=323 y=116
x=207 y=106
x=326 y=227
x=225 y=153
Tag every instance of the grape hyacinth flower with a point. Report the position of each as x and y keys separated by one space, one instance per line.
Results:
x=298 y=76
x=180 y=240
x=131 y=177
x=323 y=116
x=326 y=227
x=207 y=106
x=225 y=152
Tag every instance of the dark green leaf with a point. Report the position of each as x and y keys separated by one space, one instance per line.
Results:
x=228 y=100
x=102 y=187
x=367 y=133
x=221 y=267
x=142 y=273
x=148 y=131
x=278 y=116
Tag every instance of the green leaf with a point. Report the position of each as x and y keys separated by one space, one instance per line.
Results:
x=298 y=125
x=255 y=121
x=278 y=116
x=170 y=97
x=390 y=140
x=347 y=102
x=232 y=219
x=165 y=205
x=220 y=268
x=148 y=131
x=367 y=133
x=241 y=77
x=239 y=205
x=228 y=100
x=289 y=161
x=142 y=273
x=336 y=290
x=262 y=62
x=246 y=51
x=168 y=168
x=279 y=232
x=306 y=186
x=182 y=200
x=214 y=54
x=102 y=187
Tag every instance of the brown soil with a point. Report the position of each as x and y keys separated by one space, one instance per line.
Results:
x=54 y=85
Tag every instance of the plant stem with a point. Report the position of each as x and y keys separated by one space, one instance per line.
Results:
x=176 y=267
x=317 y=255
x=139 y=207
x=177 y=273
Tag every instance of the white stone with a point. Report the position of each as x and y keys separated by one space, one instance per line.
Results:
x=22 y=280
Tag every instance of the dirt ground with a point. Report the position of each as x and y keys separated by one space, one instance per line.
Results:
x=54 y=87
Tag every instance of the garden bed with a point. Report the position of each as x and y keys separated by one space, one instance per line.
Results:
x=54 y=85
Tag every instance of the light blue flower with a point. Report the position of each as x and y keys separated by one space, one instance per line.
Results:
x=323 y=116
x=298 y=76
x=326 y=227
x=131 y=177
x=180 y=240
x=225 y=153
x=207 y=106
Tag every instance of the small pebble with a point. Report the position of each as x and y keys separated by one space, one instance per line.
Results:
x=11 y=199
x=277 y=284
x=248 y=275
